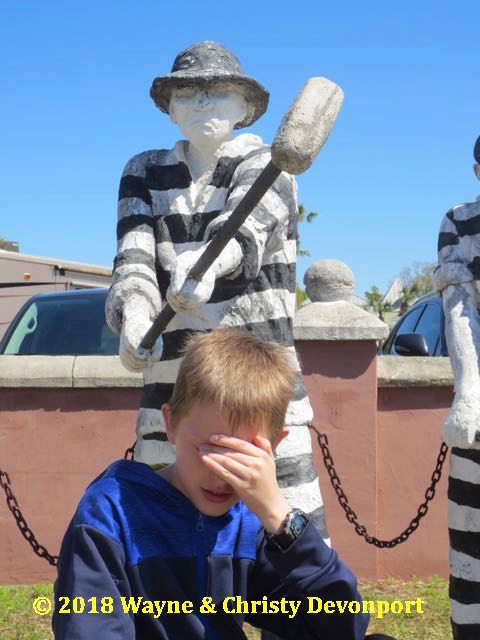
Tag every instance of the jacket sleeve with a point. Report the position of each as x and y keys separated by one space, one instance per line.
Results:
x=134 y=269
x=308 y=569
x=272 y=222
x=91 y=580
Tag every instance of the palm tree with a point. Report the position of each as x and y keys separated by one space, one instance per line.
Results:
x=376 y=303
x=409 y=295
x=301 y=218
x=301 y=293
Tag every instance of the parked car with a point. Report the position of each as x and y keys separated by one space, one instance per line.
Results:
x=420 y=331
x=60 y=324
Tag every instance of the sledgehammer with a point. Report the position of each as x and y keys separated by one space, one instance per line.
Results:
x=302 y=133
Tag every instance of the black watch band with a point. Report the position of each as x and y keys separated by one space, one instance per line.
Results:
x=293 y=525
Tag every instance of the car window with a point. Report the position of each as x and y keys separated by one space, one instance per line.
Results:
x=429 y=326
x=407 y=325
x=63 y=326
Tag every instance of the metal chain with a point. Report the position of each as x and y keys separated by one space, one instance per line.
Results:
x=350 y=513
x=41 y=551
x=25 y=530
x=128 y=455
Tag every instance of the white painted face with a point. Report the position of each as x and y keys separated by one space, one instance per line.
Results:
x=207 y=116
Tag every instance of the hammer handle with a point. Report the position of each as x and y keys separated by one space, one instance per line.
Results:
x=218 y=243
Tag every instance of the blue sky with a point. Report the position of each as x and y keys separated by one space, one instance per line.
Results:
x=75 y=107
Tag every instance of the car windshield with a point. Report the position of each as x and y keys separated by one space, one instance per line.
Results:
x=63 y=326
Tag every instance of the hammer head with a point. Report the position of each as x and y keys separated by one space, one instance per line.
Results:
x=306 y=126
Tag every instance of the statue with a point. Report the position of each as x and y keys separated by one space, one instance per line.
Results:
x=457 y=279
x=171 y=203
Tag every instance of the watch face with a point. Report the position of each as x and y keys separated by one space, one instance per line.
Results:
x=298 y=523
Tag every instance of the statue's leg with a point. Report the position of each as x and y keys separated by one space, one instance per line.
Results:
x=298 y=480
x=464 y=531
x=462 y=330
x=152 y=446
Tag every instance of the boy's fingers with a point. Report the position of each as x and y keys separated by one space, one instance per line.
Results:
x=242 y=446
x=263 y=443
x=243 y=458
x=223 y=469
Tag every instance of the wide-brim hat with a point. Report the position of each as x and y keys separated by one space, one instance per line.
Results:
x=205 y=64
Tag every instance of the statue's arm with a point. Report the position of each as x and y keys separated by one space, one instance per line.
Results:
x=269 y=220
x=455 y=279
x=134 y=280
x=453 y=266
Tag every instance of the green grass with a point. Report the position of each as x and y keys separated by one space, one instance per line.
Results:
x=17 y=618
x=19 y=622
x=433 y=624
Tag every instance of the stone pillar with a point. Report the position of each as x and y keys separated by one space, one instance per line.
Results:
x=336 y=341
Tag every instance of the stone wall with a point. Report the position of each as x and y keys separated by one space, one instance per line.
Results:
x=64 y=419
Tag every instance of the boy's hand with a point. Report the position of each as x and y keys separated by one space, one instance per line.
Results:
x=249 y=468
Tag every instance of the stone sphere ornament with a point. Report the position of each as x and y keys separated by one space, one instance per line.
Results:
x=329 y=281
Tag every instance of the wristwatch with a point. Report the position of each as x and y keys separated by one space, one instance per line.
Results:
x=293 y=525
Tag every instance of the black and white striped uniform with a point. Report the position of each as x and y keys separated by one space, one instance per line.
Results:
x=163 y=213
x=459 y=264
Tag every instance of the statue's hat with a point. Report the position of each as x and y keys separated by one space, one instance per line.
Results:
x=210 y=63
x=476 y=151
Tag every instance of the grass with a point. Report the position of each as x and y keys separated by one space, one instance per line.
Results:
x=17 y=618
x=19 y=622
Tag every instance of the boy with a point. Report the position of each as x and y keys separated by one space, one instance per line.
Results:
x=197 y=548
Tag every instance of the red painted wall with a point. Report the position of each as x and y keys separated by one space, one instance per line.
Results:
x=384 y=443
x=53 y=442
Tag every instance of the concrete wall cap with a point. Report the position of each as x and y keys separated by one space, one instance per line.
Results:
x=66 y=372
x=341 y=320
x=36 y=371
x=103 y=371
x=397 y=371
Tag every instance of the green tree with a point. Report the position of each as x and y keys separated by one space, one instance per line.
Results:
x=409 y=295
x=418 y=275
x=302 y=216
x=376 y=303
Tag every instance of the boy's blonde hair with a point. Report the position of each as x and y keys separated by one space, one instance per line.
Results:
x=246 y=378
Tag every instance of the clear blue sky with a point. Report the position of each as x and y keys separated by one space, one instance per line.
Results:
x=75 y=107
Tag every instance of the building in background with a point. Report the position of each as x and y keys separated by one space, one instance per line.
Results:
x=22 y=275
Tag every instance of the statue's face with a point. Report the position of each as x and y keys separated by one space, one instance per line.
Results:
x=207 y=116
x=476 y=168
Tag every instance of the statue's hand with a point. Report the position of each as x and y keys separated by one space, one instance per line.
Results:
x=185 y=294
x=136 y=322
x=462 y=426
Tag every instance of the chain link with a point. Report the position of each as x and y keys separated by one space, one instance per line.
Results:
x=350 y=513
x=25 y=530
x=128 y=455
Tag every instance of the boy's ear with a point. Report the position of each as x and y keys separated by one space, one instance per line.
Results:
x=167 y=417
x=280 y=436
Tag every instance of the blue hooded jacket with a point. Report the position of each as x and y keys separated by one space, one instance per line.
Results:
x=136 y=544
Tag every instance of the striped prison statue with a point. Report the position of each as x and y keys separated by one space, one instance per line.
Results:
x=171 y=203
x=457 y=278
